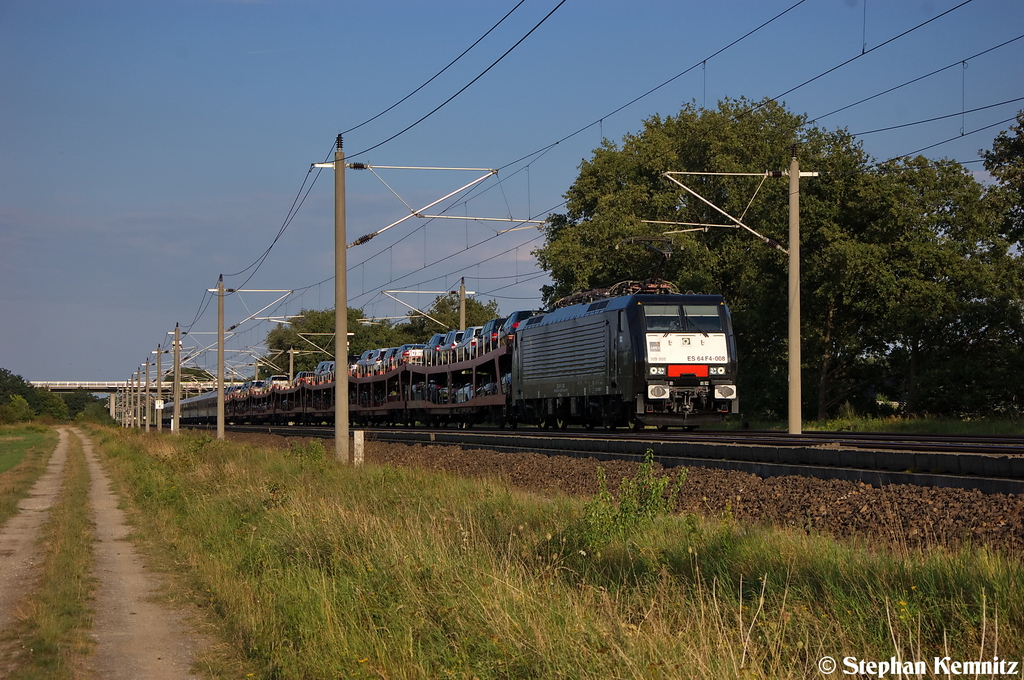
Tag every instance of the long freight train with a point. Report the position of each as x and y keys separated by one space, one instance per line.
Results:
x=640 y=359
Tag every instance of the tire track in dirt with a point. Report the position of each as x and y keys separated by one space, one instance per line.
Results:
x=135 y=637
x=20 y=551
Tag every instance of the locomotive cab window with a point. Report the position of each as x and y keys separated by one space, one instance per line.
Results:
x=680 y=318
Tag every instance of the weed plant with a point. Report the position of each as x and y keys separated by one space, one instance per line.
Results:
x=324 y=571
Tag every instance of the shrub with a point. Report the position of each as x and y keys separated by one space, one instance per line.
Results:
x=641 y=500
x=16 y=410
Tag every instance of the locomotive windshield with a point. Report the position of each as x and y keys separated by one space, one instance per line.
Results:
x=683 y=318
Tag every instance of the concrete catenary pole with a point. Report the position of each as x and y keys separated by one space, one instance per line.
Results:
x=137 y=406
x=175 y=423
x=147 y=401
x=795 y=396
x=291 y=365
x=340 y=310
x=220 y=357
x=462 y=304
x=159 y=391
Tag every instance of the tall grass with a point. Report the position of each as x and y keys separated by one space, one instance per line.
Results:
x=24 y=452
x=322 y=571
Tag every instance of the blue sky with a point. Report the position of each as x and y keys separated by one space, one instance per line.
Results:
x=147 y=147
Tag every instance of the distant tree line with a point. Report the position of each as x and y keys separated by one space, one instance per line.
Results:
x=311 y=332
x=19 y=401
x=912 y=282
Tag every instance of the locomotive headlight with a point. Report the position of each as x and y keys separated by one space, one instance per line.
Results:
x=658 y=392
x=717 y=370
x=657 y=370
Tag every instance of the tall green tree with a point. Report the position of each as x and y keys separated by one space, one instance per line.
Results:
x=445 y=309
x=15 y=410
x=955 y=281
x=622 y=192
x=12 y=384
x=50 y=404
x=311 y=332
x=78 y=400
x=1005 y=160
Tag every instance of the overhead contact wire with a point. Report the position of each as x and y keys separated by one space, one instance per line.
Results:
x=858 y=56
x=931 y=120
x=655 y=89
x=464 y=88
x=432 y=78
x=910 y=82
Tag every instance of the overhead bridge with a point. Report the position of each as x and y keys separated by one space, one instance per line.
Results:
x=117 y=386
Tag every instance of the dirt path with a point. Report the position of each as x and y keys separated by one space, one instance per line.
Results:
x=136 y=638
x=19 y=549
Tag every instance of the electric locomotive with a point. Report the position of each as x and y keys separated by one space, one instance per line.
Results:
x=638 y=359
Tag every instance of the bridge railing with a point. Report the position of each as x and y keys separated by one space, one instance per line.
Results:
x=114 y=386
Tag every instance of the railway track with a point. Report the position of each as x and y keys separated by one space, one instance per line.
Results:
x=991 y=464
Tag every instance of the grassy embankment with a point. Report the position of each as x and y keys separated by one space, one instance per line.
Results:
x=322 y=571
x=24 y=452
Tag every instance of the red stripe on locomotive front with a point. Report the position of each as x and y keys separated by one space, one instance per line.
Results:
x=677 y=370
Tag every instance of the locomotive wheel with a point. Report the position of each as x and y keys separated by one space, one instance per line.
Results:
x=663 y=428
x=561 y=423
x=636 y=425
